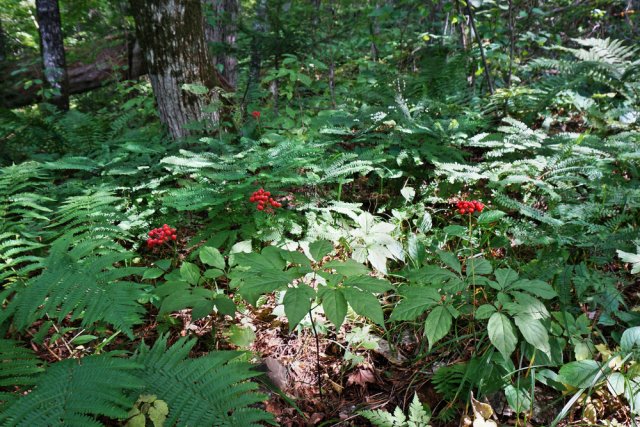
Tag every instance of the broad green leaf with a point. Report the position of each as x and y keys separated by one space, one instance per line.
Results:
x=502 y=334
x=225 y=305
x=213 y=273
x=484 y=311
x=347 y=268
x=615 y=383
x=190 y=273
x=633 y=259
x=455 y=230
x=505 y=277
x=252 y=286
x=241 y=336
x=518 y=398
x=202 y=309
x=368 y=284
x=580 y=374
x=365 y=304
x=295 y=257
x=630 y=339
x=297 y=303
x=437 y=325
x=319 y=249
x=450 y=260
x=416 y=300
x=477 y=266
x=536 y=287
x=534 y=332
x=334 y=305
x=163 y=264
x=212 y=257
x=530 y=306
x=152 y=273
x=487 y=217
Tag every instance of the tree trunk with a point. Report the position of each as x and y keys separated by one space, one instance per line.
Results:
x=3 y=44
x=52 y=49
x=171 y=36
x=220 y=31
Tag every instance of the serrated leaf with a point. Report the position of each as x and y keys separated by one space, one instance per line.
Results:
x=416 y=300
x=518 y=398
x=211 y=256
x=225 y=305
x=190 y=273
x=478 y=266
x=580 y=374
x=502 y=334
x=347 y=268
x=437 y=325
x=630 y=340
x=484 y=311
x=536 y=287
x=334 y=305
x=450 y=260
x=365 y=304
x=319 y=249
x=152 y=273
x=533 y=332
x=297 y=303
x=488 y=217
x=505 y=277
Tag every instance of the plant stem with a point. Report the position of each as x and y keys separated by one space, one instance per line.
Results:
x=315 y=334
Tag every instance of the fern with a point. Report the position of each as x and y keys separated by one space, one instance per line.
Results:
x=418 y=417
x=74 y=392
x=210 y=390
x=18 y=367
x=79 y=281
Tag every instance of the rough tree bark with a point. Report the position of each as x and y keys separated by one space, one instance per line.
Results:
x=220 y=30
x=52 y=49
x=171 y=36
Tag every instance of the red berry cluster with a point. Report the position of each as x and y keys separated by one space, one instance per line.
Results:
x=161 y=235
x=464 y=207
x=262 y=198
x=256 y=115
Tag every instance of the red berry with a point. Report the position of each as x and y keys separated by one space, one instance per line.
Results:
x=267 y=193
x=260 y=207
x=174 y=237
x=471 y=209
x=462 y=211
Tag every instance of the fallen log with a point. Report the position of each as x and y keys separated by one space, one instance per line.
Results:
x=118 y=61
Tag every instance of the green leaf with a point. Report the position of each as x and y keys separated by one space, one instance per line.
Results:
x=297 y=303
x=534 y=332
x=190 y=273
x=319 y=249
x=241 y=336
x=213 y=273
x=505 y=277
x=487 y=217
x=408 y=193
x=417 y=299
x=485 y=311
x=334 y=305
x=83 y=339
x=477 y=266
x=455 y=230
x=137 y=421
x=580 y=374
x=152 y=273
x=254 y=285
x=225 y=305
x=211 y=256
x=502 y=334
x=530 y=306
x=347 y=268
x=196 y=89
x=365 y=304
x=437 y=325
x=630 y=340
x=163 y=264
x=536 y=287
x=518 y=398
x=368 y=284
x=450 y=260
x=202 y=309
